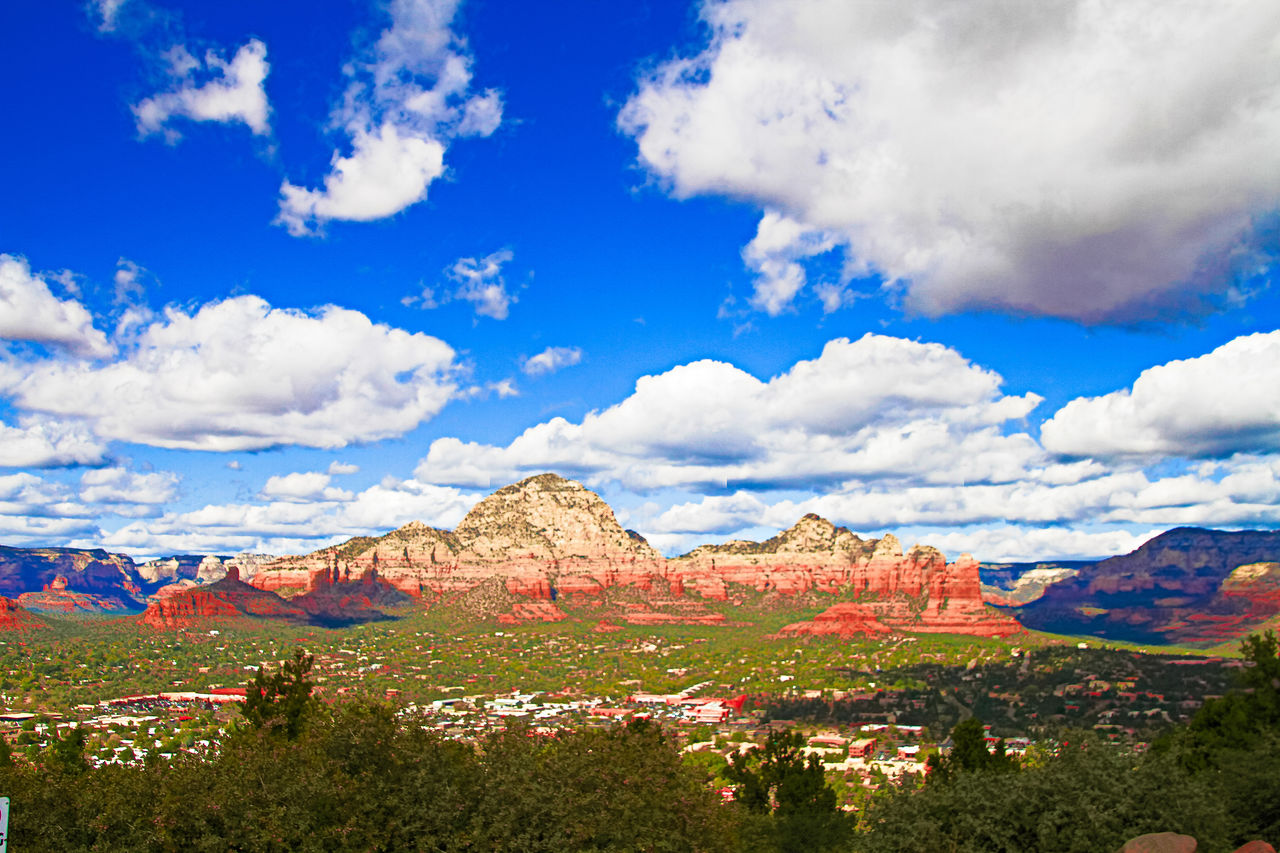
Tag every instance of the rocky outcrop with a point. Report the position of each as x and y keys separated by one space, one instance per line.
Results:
x=329 y=602
x=551 y=539
x=1175 y=588
x=923 y=596
x=1020 y=584
x=14 y=617
x=1173 y=842
x=198 y=568
x=227 y=598
x=333 y=602
x=56 y=598
x=544 y=537
x=111 y=577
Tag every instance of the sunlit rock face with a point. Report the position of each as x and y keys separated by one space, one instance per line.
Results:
x=553 y=540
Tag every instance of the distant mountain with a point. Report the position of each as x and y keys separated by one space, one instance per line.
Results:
x=1015 y=584
x=64 y=573
x=553 y=540
x=531 y=551
x=1184 y=586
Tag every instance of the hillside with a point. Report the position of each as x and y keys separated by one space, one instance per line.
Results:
x=1172 y=589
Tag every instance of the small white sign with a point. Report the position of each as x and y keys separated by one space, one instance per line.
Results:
x=4 y=824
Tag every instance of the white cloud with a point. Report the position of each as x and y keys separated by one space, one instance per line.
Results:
x=128 y=282
x=480 y=282
x=293 y=526
x=25 y=494
x=108 y=12
x=1226 y=401
x=241 y=375
x=774 y=255
x=43 y=443
x=1094 y=161
x=408 y=97
x=338 y=468
x=30 y=312
x=210 y=90
x=876 y=408
x=303 y=486
x=120 y=486
x=550 y=360
x=1021 y=544
x=385 y=173
x=476 y=280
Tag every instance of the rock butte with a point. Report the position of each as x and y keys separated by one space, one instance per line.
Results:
x=548 y=540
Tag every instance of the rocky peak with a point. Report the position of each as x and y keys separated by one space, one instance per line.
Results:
x=888 y=546
x=1253 y=576
x=547 y=517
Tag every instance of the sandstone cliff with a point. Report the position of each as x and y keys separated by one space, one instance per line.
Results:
x=14 y=617
x=551 y=539
x=227 y=598
x=61 y=572
x=544 y=536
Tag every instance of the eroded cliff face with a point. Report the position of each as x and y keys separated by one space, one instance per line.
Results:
x=227 y=598
x=545 y=537
x=95 y=572
x=13 y=617
x=1179 y=587
x=551 y=539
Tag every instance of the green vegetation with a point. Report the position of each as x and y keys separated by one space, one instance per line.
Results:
x=360 y=776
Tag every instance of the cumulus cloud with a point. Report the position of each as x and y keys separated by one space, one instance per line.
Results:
x=1020 y=544
x=550 y=360
x=775 y=256
x=210 y=89
x=338 y=468
x=303 y=486
x=121 y=487
x=408 y=97
x=875 y=408
x=293 y=526
x=1093 y=161
x=241 y=375
x=1226 y=401
x=30 y=312
x=43 y=443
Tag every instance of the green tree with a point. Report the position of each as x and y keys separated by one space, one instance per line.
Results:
x=1241 y=718
x=969 y=754
x=281 y=702
x=66 y=751
x=778 y=780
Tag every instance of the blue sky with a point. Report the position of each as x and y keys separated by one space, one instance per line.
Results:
x=994 y=278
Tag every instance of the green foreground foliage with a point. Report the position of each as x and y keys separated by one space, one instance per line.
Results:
x=298 y=776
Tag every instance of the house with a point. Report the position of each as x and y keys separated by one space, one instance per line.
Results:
x=863 y=748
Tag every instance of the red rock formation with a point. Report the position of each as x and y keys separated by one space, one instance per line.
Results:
x=550 y=539
x=846 y=619
x=545 y=536
x=55 y=599
x=1169 y=590
x=15 y=618
x=227 y=598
